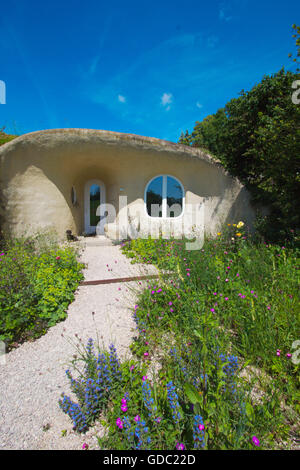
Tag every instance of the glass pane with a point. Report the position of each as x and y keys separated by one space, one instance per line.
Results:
x=174 y=197
x=94 y=203
x=154 y=197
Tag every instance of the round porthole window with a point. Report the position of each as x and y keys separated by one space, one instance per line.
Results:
x=73 y=196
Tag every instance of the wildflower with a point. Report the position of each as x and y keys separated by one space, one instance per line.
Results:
x=124 y=401
x=148 y=399
x=85 y=446
x=146 y=354
x=255 y=441
x=144 y=377
x=131 y=368
x=278 y=352
x=240 y=224
x=124 y=408
x=137 y=418
x=198 y=432
x=288 y=355
x=173 y=401
x=180 y=446
x=212 y=309
x=119 y=423
x=75 y=413
x=57 y=257
x=226 y=298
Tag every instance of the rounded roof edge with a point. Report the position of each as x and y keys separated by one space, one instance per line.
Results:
x=123 y=138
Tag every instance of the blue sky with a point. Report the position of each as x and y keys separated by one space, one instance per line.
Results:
x=149 y=68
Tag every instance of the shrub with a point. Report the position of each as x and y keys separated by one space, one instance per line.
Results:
x=37 y=283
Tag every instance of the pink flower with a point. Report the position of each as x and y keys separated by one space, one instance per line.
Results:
x=57 y=257
x=144 y=378
x=85 y=446
x=137 y=418
x=123 y=401
x=226 y=298
x=288 y=355
x=124 y=408
x=201 y=427
x=226 y=280
x=170 y=303
x=278 y=352
x=131 y=368
x=255 y=441
x=146 y=354
x=212 y=309
x=119 y=423
x=180 y=446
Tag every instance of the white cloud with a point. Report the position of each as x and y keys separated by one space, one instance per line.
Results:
x=166 y=100
x=223 y=13
x=199 y=105
x=122 y=99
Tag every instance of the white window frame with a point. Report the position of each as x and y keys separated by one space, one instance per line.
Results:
x=87 y=227
x=164 y=197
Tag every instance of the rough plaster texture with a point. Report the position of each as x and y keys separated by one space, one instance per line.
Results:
x=38 y=170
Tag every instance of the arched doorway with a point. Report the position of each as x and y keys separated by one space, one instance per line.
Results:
x=94 y=196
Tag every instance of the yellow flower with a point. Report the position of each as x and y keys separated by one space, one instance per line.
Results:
x=228 y=225
x=234 y=225
x=219 y=233
x=238 y=234
x=240 y=224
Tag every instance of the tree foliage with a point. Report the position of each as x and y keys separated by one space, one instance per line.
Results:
x=5 y=137
x=257 y=138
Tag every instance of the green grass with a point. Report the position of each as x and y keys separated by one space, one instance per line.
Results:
x=208 y=341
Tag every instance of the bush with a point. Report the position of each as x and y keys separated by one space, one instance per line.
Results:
x=37 y=283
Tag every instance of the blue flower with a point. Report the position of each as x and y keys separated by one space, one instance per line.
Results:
x=173 y=401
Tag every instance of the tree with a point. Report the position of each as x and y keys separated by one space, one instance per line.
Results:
x=257 y=138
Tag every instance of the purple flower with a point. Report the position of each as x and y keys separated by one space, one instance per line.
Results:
x=119 y=423
x=255 y=441
x=180 y=446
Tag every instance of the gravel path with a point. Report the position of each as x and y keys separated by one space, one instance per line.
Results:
x=33 y=377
